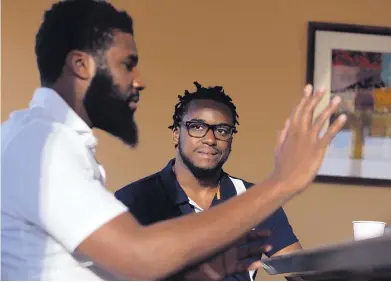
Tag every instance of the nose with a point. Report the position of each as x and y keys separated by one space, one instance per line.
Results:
x=209 y=138
x=138 y=83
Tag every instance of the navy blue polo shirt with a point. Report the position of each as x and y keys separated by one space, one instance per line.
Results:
x=160 y=197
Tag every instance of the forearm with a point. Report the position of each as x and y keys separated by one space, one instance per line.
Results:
x=184 y=240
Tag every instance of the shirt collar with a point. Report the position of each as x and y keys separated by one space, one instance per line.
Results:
x=171 y=184
x=61 y=112
x=178 y=196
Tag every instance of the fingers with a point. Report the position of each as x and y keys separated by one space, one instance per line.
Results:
x=282 y=134
x=258 y=234
x=326 y=113
x=333 y=130
x=307 y=95
x=255 y=265
x=308 y=111
x=325 y=116
x=253 y=251
x=253 y=235
x=210 y=273
x=303 y=114
x=248 y=266
x=253 y=244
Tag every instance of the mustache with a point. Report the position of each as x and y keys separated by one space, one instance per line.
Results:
x=208 y=148
x=133 y=98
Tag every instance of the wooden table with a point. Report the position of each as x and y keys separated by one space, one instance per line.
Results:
x=357 y=260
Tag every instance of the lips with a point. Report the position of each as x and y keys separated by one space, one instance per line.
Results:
x=132 y=101
x=207 y=152
x=134 y=98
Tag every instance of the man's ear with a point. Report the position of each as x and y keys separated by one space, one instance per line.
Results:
x=80 y=64
x=175 y=136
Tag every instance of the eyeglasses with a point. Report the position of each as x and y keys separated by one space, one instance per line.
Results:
x=198 y=129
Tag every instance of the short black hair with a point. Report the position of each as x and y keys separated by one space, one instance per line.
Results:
x=85 y=25
x=215 y=93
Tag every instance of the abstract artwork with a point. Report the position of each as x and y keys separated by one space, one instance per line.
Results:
x=354 y=63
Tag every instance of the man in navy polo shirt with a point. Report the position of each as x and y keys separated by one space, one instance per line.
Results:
x=203 y=126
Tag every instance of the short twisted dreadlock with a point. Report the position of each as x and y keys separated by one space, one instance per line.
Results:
x=215 y=93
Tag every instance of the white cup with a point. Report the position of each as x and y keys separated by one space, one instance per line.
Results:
x=368 y=229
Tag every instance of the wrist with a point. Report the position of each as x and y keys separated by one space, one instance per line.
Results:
x=283 y=188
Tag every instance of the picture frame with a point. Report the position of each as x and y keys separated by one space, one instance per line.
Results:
x=354 y=62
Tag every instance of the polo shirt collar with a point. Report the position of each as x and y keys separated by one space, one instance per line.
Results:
x=61 y=112
x=178 y=196
x=172 y=186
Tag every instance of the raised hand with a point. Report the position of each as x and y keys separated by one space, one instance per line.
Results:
x=300 y=149
x=234 y=259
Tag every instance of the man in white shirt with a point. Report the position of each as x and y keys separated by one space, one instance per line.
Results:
x=58 y=220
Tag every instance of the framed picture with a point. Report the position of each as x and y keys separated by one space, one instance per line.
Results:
x=354 y=62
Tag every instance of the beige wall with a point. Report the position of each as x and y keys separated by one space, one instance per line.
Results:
x=256 y=49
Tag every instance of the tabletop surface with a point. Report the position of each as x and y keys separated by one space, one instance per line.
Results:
x=365 y=256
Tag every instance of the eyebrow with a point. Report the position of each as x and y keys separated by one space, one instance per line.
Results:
x=202 y=121
x=197 y=120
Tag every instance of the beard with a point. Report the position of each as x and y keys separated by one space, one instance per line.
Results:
x=201 y=172
x=107 y=107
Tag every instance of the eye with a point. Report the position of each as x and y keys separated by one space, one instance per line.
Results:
x=223 y=131
x=129 y=66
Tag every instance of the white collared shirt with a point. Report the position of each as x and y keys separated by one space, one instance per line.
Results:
x=53 y=192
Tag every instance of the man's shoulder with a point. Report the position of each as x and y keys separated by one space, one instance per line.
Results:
x=36 y=127
x=247 y=184
x=45 y=143
x=146 y=199
x=144 y=185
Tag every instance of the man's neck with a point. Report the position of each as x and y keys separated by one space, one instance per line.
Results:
x=201 y=191
x=71 y=99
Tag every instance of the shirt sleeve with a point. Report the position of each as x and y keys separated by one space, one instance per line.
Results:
x=282 y=233
x=125 y=195
x=56 y=186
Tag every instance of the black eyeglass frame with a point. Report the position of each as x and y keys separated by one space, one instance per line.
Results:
x=212 y=127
